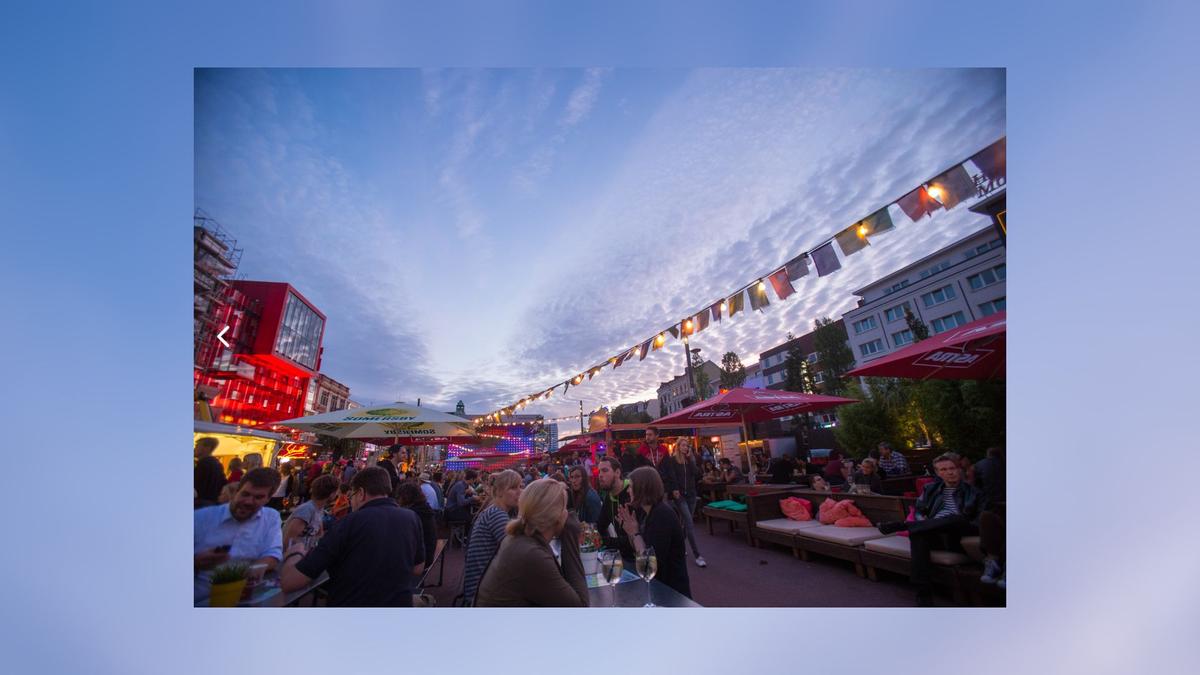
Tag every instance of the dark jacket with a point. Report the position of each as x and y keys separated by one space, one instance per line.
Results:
x=428 y=528
x=608 y=516
x=661 y=529
x=680 y=476
x=781 y=470
x=873 y=481
x=209 y=479
x=589 y=511
x=966 y=498
x=524 y=573
x=392 y=473
x=989 y=480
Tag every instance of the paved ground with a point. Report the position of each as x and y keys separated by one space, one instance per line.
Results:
x=739 y=575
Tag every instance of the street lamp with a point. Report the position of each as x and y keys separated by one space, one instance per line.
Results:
x=691 y=372
x=580 y=401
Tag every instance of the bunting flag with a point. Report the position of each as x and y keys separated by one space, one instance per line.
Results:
x=825 y=259
x=782 y=284
x=991 y=160
x=566 y=386
x=702 y=320
x=880 y=221
x=621 y=359
x=737 y=302
x=918 y=204
x=674 y=331
x=716 y=309
x=657 y=342
x=952 y=187
x=797 y=267
x=758 y=296
x=852 y=240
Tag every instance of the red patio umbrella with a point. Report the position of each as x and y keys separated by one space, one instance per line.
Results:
x=974 y=351
x=752 y=405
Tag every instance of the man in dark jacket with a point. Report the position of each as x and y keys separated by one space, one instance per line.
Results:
x=947 y=510
x=388 y=464
x=614 y=493
x=209 y=474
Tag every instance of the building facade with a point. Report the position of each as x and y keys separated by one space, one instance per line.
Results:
x=674 y=395
x=326 y=394
x=774 y=361
x=754 y=376
x=960 y=283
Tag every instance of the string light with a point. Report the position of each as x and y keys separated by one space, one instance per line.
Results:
x=658 y=341
x=688 y=325
x=762 y=286
x=936 y=192
x=862 y=231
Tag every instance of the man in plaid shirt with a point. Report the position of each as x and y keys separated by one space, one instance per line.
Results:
x=892 y=462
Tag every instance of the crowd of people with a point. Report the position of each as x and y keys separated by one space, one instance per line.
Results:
x=374 y=529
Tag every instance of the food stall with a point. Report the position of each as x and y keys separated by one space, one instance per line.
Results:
x=238 y=441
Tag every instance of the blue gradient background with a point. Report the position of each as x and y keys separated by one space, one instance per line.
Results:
x=96 y=190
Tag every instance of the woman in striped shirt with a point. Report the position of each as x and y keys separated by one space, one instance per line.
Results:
x=488 y=529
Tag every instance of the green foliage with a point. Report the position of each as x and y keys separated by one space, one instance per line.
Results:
x=230 y=572
x=861 y=426
x=795 y=370
x=703 y=384
x=833 y=351
x=340 y=447
x=733 y=373
x=628 y=414
x=919 y=330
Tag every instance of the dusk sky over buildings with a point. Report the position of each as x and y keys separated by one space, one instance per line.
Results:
x=485 y=234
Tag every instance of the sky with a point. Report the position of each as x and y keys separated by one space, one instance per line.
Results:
x=484 y=234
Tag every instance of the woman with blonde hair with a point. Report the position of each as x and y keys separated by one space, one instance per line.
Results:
x=487 y=532
x=525 y=572
x=681 y=478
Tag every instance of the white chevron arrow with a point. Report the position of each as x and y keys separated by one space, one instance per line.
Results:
x=221 y=338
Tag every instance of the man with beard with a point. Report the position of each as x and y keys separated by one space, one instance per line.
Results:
x=241 y=529
x=614 y=493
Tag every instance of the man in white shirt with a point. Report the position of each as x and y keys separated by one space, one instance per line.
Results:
x=429 y=492
x=241 y=529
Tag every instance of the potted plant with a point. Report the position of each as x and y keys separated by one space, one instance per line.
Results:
x=228 y=582
x=589 y=546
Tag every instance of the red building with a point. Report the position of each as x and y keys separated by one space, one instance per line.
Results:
x=274 y=338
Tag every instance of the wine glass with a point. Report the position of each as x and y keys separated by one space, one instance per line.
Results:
x=611 y=567
x=647 y=567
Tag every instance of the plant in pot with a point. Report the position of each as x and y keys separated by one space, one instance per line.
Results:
x=589 y=546
x=228 y=582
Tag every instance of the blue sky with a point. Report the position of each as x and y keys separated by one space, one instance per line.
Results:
x=483 y=234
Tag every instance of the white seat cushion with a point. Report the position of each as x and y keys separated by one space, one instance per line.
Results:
x=899 y=546
x=851 y=536
x=786 y=525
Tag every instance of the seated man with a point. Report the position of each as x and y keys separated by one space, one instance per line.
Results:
x=868 y=475
x=374 y=555
x=947 y=510
x=891 y=462
x=731 y=473
x=241 y=529
x=614 y=493
x=782 y=468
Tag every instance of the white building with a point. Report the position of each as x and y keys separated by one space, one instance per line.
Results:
x=960 y=283
x=671 y=394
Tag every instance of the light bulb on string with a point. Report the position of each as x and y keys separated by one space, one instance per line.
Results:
x=936 y=192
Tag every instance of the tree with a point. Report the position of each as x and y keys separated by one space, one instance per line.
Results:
x=833 y=351
x=795 y=369
x=733 y=373
x=628 y=414
x=340 y=447
x=861 y=426
x=919 y=330
x=703 y=382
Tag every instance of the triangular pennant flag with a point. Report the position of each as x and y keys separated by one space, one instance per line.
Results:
x=645 y=349
x=825 y=260
x=918 y=204
x=880 y=221
x=736 y=303
x=758 y=295
x=566 y=386
x=952 y=187
x=674 y=331
x=715 y=310
x=797 y=267
x=992 y=161
x=621 y=359
x=702 y=320
x=852 y=240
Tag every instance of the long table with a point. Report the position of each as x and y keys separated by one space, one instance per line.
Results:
x=630 y=591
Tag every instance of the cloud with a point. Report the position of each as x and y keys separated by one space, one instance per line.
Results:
x=528 y=177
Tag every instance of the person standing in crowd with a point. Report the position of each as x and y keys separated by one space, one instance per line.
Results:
x=235 y=470
x=582 y=500
x=409 y=496
x=252 y=461
x=348 y=472
x=648 y=521
x=835 y=469
x=947 y=510
x=389 y=466
x=427 y=490
x=441 y=494
x=489 y=529
x=307 y=519
x=651 y=449
x=240 y=529
x=730 y=473
x=373 y=556
x=525 y=572
x=891 y=462
x=209 y=476
x=285 y=488
x=614 y=493
x=682 y=486
x=990 y=481
x=781 y=469
x=459 y=499
x=868 y=475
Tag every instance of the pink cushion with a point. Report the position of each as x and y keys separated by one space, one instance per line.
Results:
x=796 y=508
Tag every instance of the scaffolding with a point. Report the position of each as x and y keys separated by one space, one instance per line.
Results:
x=216 y=257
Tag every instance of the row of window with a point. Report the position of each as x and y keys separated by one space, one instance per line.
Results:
x=981 y=249
x=987 y=277
x=938 y=325
x=776 y=359
x=863 y=325
x=897 y=286
x=776 y=378
x=935 y=269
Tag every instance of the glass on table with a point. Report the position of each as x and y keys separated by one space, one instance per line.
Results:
x=647 y=567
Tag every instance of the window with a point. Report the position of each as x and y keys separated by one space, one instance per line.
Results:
x=989 y=308
x=902 y=338
x=895 y=287
x=981 y=249
x=897 y=313
x=987 y=277
x=812 y=358
x=818 y=377
x=299 y=336
x=947 y=322
x=873 y=347
x=938 y=296
x=324 y=399
x=935 y=269
x=863 y=325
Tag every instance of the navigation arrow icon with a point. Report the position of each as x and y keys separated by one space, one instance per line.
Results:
x=221 y=338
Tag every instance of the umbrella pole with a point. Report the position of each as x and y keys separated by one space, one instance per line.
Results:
x=746 y=444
